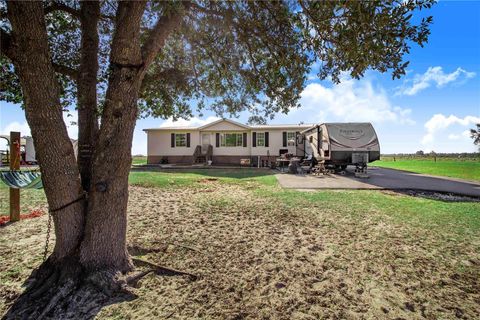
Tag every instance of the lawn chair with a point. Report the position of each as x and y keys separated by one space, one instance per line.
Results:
x=308 y=164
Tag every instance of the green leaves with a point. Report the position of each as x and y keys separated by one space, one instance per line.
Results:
x=234 y=56
x=354 y=36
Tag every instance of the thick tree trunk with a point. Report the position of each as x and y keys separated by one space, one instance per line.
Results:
x=43 y=111
x=104 y=244
x=82 y=273
x=87 y=89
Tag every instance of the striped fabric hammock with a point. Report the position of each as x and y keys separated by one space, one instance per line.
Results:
x=22 y=179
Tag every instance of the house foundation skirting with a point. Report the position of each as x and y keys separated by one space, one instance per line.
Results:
x=170 y=159
x=216 y=160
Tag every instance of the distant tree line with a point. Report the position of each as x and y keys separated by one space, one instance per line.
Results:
x=421 y=154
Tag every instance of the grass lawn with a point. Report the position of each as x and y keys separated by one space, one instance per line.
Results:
x=138 y=160
x=194 y=177
x=264 y=252
x=30 y=199
x=464 y=169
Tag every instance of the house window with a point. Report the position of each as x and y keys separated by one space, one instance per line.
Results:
x=291 y=136
x=180 y=139
x=260 y=139
x=231 y=139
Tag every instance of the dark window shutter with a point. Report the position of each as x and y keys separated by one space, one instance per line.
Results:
x=244 y=139
x=172 y=140
x=217 y=139
x=254 y=139
x=296 y=137
x=188 y=140
x=266 y=139
x=284 y=139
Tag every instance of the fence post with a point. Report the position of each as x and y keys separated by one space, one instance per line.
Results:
x=14 y=165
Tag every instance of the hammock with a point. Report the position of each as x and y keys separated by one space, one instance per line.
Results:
x=22 y=179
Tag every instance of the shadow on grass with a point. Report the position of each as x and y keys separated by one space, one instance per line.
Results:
x=159 y=177
x=234 y=172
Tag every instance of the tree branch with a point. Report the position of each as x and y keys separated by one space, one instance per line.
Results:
x=70 y=72
x=172 y=74
x=6 y=47
x=56 y=6
x=201 y=9
x=159 y=34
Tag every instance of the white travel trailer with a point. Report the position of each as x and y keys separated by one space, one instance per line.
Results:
x=27 y=150
x=30 y=156
x=342 y=144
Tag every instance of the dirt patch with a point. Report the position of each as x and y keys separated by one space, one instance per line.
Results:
x=442 y=196
x=259 y=259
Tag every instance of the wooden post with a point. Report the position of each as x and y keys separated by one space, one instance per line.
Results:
x=14 y=165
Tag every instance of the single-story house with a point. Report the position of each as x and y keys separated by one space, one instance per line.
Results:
x=224 y=142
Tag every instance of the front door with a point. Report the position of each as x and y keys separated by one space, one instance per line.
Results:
x=205 y=139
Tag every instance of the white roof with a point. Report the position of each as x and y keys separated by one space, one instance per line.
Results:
x=253 y=127
x=281 y=126
x=223 y=120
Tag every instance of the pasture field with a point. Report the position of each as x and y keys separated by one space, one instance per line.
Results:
x=139 y=160
x=466 y=168
x=260 y=251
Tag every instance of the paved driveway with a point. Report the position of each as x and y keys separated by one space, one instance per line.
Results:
x=381 y=178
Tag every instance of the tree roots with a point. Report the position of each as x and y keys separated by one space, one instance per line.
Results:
x=64 y=290
x=163 y=271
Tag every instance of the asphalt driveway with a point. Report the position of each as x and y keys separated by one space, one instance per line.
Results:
x=383 y=179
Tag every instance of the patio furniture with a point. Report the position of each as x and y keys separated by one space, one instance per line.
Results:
x=294 y=165
x=308 y=163
x=282 y=164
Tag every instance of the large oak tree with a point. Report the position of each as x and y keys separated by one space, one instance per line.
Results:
x=116 y=62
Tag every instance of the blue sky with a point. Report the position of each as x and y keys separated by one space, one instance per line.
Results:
x=431 y=108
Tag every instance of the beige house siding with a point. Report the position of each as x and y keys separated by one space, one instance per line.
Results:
x=276 y=143
x=228 y=151
x=159 y=143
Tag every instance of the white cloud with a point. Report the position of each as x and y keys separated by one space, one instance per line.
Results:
x=71 y=121
x=23 y=128
x=439 y=123
x=192 y=122
x=351 y=100
x=453 y=136
x=139 y=143
x=467 y=134
x=433 y=76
